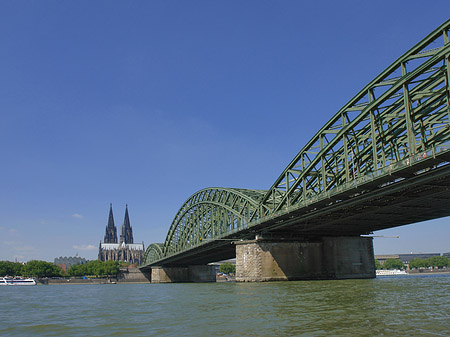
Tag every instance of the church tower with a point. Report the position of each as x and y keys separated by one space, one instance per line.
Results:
x=111 y=230
x=126 y=251
x=126 y=233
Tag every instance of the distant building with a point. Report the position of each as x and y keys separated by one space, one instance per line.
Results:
x=66 y=262
x=126 y=250
x=218 y=263
x=446 y=255
x=405 y=258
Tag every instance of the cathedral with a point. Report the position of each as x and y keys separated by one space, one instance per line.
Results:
x=125 y=250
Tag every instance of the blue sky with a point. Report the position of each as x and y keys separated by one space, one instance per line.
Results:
x=146 y=102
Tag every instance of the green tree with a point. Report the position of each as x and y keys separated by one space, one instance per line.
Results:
x=18 y=268
x=439 y=261
x=227 y=268
x=38 y=268
x=77 y=270
x=11 y=268
x=426 y=262
x=416 y=263
x=393 y=264
x=95 y=268
x=434 y=261
x=378 y=265
x=112 y=268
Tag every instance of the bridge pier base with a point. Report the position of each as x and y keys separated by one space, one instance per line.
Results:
x=193 y=273
x=323 y=259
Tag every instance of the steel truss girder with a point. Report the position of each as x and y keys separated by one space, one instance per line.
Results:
x=409 y=115
x=397 y=125
x=209 y=214
x=153 y=253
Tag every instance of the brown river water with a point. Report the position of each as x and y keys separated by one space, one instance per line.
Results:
x=385 y=306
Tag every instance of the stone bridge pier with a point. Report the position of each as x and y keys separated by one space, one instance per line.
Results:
x=325 y=258
x=193 y=273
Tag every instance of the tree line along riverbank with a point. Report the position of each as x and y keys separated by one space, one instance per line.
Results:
x=43 y=269
x=93 y=272
x=434 y=262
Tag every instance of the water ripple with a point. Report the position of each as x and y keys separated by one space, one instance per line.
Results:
x=417 y=306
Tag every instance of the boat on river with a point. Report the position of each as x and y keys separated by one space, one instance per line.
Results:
x=391 y=272
x=17 y=281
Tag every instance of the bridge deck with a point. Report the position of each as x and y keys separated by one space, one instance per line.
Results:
x=381 y=161
x=357 y=211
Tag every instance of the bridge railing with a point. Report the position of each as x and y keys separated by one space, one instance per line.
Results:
x=357 y=185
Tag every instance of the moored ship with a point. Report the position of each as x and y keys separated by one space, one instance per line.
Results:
x=17 y=281
x=391 y=272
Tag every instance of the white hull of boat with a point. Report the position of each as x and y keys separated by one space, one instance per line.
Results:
x=8 y=281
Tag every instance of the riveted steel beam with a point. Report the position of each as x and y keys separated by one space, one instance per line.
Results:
x=386 y=148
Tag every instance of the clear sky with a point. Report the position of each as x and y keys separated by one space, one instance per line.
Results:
x=146 y=102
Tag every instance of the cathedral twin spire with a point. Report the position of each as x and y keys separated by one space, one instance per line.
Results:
x=126 y=231
x=111 y=230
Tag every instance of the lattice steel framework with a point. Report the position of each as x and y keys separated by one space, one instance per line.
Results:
x=211 y=214
x=398 y=120
x=399 y=117
x=154 y=252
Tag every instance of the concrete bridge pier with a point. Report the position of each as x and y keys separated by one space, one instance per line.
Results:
x=193 y=273
x=326 y=258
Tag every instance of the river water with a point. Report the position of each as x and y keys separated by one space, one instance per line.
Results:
x=385 y=306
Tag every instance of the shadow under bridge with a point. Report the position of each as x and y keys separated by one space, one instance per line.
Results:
x=383 y=160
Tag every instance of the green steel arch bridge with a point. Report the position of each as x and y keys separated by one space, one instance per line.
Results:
x=383 y=160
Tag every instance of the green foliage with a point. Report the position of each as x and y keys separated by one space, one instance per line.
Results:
x=38 y=268
x=416 y=263
x=227 y=268
x=439 y=261
x=11 y=268
x=435 y=261
x=77 y=270
x=33 y=268
x=95 y=268
x=378 y=265
x=393 y=264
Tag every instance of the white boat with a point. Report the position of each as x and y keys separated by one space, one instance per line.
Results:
x=17 y=281
x=391 y=272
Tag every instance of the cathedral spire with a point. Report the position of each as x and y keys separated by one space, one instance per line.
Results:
x=126 y=233
x=111 y=230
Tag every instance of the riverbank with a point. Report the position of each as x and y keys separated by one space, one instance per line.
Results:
x=51 y=281
x=133 y=275
x=127 y=275
x=429 y=271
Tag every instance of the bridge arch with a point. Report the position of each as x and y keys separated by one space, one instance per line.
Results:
x=209 y=214
x=395 y=128
x=398 y=119
x=153 y=253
